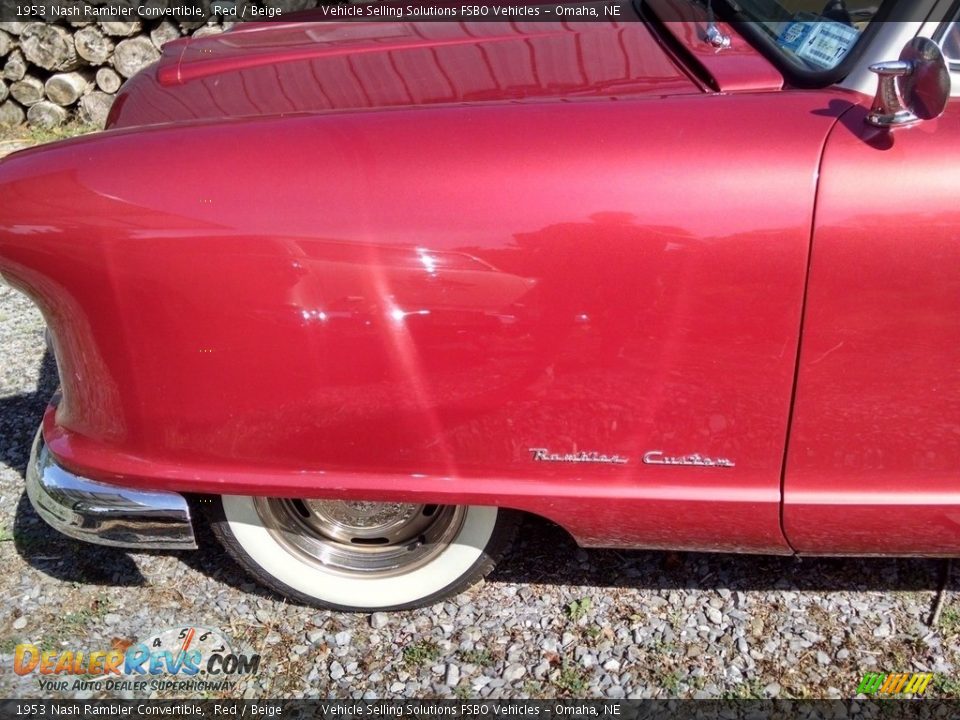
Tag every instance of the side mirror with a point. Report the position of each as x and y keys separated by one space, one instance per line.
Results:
x=916 y=87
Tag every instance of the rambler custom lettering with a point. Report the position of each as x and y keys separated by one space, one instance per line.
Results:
x=656 y=457
x=583 y=456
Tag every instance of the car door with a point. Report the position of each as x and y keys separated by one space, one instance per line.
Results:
x=874 y=454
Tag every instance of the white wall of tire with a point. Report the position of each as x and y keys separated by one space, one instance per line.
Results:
x=341 y=589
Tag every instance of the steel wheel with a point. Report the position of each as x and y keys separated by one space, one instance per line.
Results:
x=361 y=537
x=359 y=555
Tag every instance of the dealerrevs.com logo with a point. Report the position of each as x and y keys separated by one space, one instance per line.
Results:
x=181 y=658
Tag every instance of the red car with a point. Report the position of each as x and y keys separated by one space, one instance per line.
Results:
x=370 y=291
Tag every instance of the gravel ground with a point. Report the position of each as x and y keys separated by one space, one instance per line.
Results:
x=552 y=621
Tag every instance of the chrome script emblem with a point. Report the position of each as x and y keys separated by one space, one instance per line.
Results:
x=584 y=456
x=656 y=457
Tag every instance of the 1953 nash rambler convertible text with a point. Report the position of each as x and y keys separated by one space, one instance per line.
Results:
x=687 y=280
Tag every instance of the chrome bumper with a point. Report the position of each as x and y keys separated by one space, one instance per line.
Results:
x=103 y=513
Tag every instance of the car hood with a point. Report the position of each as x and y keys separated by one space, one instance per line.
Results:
x=276 y=68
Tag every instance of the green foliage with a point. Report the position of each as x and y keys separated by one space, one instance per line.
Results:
x=946 y=687
x=421 y=652
x=579 y=608
x=477 y=657
x=77 y=624
x=37 y=136
x=670 y=681
x=750 y=690
x=572 y=680
x=950 y=620
x=593 y=632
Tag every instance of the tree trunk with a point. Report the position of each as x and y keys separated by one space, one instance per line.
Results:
x=7 y=43
x=92 y=45
x=134 y=54
x=64 y=89
x=207 y=30
x=49 y=46
x=11 y=113
x=164 y=33
x=14 y=28
x=94 y=108
x=108 y=80
x=121 y=29
x=46 y=115
x=28 y=91
x=15 y=67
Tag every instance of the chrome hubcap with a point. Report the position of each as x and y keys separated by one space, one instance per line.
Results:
x=359 y=537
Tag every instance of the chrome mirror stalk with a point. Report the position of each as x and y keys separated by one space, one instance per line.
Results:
x=916 y=87
x=888 y=107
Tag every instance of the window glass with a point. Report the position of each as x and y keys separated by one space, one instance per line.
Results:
x=950 y=44
x=816 y=35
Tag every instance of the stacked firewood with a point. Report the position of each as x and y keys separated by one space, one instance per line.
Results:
x=51 y=73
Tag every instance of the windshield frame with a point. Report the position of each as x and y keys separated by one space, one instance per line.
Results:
x=794 y=70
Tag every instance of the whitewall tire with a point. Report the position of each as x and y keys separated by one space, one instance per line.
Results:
x=363 y=556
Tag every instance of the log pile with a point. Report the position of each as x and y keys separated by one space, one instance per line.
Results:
x=60 y=70
x=51 y=73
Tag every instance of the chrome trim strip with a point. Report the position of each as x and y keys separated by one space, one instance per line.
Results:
x=103 y=513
